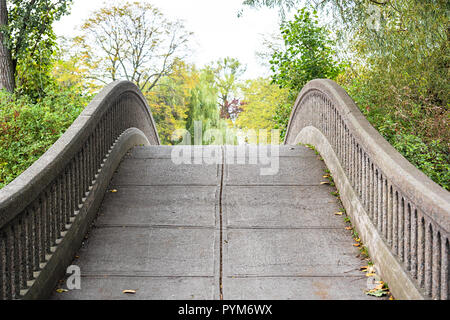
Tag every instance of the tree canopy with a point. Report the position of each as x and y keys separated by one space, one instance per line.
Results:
x=28 y=42
x=132 y=41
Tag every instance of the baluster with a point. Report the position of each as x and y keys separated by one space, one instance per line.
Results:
x=436 y=268
x=380 y=202
x=68 y=194
x=3 y=268
x=445 y=268
x=42 y=228
x=9 y=264
x=366 y=182
x=357 y=172
x=420 y=250
x=353 y=180
x=369 y=188
x=413 y=213
x=53 y=214
x=401 y=232
x=395 y=234
x=389 y=214
x=385 y=196
x=23 y=241
x=48 y=228
x=428 y=258
x=407 y=236
x=85 y=169
x=34 y=243
x=375 y=196
x=59 y=206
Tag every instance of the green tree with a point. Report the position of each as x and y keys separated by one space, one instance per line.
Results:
x=202 y=105
x=28 y=128
x=70 y=70
x=28 y=43
x=227 y=73
x=169 y=99
x=261 y=98
x=307 y=54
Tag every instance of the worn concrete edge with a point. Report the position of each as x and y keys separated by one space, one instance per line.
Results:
x=390 y=269
x=18 y=194
x=55 y=267
x=419 y=188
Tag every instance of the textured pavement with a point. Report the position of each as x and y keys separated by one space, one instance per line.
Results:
x=212 y=231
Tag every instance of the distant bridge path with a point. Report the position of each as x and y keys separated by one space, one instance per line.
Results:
x=206 y=231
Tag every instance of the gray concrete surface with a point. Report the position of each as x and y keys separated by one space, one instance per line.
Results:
x=218 y=231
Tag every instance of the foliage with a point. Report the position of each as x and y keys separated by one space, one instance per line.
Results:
x=282 y=5
x=131 y=41
x=168 y=101
x=70 y=71
x=400 y=77
x=187 y=95
x=408 y=130
x=30 y=38
x=202 y=107
x=227 y=72
x=308 y=54
x=28 y=128
x=281 y=118
x=261 y=99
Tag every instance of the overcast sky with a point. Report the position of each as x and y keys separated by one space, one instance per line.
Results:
x=218 y=32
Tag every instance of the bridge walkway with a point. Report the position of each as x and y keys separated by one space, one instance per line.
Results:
x=214 y=230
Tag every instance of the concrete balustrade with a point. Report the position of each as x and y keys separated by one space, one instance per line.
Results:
x=401 y=215
x=46 y=211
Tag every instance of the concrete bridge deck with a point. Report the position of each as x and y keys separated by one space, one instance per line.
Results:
x=215 y=231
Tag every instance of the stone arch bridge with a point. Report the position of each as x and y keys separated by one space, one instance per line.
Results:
x=109 y=199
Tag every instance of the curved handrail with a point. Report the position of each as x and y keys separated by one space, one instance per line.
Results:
x=37 y=208
x=409 y=210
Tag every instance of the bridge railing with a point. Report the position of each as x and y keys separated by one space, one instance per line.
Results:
x=45 y=212
x=401 y=215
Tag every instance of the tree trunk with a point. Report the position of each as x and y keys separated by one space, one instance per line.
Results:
x=6 y=66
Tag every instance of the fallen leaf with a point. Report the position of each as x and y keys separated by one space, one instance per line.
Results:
x=363 y=268
x=348 y=228
x=61 y=290
x=371 y=269
x=325 y=182
x=129 y=291
x=370 y=274
x=113 y=190
x=326 y=176
x=340 y=213
x=376 y=293
x=356 y=244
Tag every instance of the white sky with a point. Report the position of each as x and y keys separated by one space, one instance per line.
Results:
x=218 y=32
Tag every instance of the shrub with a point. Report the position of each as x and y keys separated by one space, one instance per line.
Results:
x=28 y=128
